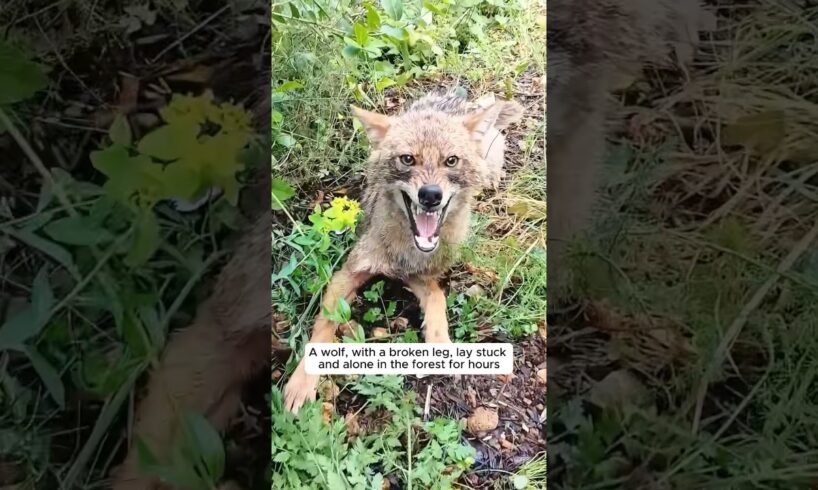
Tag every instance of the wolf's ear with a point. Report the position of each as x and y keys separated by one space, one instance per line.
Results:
x=376 y=125
x=498 y=115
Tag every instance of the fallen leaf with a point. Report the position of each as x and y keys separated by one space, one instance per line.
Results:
x=328 y=389
x=326 y=412
x=400 y=323
x=506 y=444
x=379 y=332
x=474 y=291
x=472 y=396
x=616 y=390
x=352 y=425
x=481 y=420
x=542 y=376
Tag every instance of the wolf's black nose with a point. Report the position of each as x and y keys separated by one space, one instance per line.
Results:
x=430 y=195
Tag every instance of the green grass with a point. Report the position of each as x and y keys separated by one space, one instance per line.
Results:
x=708 y=298
x=327 y=56
x=97 y=265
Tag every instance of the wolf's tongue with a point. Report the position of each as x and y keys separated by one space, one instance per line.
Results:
x=426 y=223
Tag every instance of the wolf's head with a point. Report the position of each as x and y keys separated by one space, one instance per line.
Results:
x=431 y=159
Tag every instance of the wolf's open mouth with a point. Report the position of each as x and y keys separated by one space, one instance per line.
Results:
x=425 y=224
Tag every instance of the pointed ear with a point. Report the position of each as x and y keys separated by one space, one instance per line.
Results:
x=376 y=125
x=498 y=115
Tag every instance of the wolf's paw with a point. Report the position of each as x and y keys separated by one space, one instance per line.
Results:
x=300 y=388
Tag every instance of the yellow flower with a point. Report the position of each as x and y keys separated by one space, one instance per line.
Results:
x=234 y=119
x=342 y=213
x=195 y=109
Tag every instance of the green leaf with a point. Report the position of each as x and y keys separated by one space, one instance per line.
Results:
x=373 y=20
x=30 y=321
x=77 y=230
x=181 y=179
x=281 y=191
x=111 y=160
x=207 y=443
x=42 y=298
x=384 y=83
x=120 y=131
x=398 y=33
x=334 y=481
x=393 y=8
x=361 y=34
x=289 y=85
x=51 y=249
x=17 y=329
x=285 y=140
x=146 y=239
x=169 y=142
x=350 y=51
x=49 y=376
x=20 y=78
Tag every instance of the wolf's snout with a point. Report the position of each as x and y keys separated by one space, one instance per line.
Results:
x=430 y=195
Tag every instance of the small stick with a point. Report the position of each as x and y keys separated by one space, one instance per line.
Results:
x=428 y=399
x=190 y=33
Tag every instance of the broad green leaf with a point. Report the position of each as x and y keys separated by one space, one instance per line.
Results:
x=171 y=141
x=393 y=8
x=285 y=140
x=18 y=329
x=361 y=34
x=289 y=85
x=373 y=20
x=281 y=192
x=120 y=131
x=29 y=321
x=20 y=78
x=398 y=33
x=146 y=239
x=350 y=51
x=77 y=230
x=51 y=249
x=111 y=161
x=384 y=83
x=49 y=376
x=181 y=179
x=207 y=443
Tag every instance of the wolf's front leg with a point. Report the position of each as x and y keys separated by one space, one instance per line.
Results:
x=344 y=283
x=433 y=303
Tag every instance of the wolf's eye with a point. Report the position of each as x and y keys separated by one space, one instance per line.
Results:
x=452 y=161
x=407 y=159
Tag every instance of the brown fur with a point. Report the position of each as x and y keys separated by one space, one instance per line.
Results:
x=434 y=128
x=205 y=365
x=590 y=44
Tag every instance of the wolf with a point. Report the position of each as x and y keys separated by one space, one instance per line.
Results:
x=424 y=170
